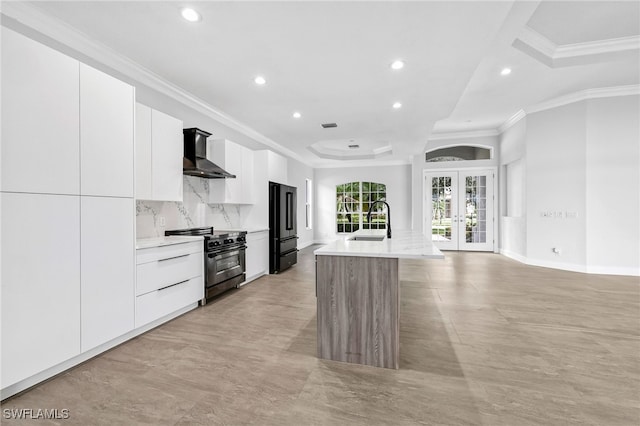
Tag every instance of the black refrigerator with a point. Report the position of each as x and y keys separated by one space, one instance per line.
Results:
x=283 y=234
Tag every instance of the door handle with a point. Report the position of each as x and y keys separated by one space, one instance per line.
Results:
x=171 y=258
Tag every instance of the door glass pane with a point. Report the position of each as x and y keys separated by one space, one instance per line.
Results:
x=476 y=209
x=441 y=208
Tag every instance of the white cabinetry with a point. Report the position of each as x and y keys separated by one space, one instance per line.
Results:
x=107 y=296
x=159 y=152
x=40 y=118
x=40 y=282
x=257 y=254
x=66 y=208
x=168 y=278
x=106 y=134
x=236 y=160
x=247 y=175
x=144 y=160
x=277 y=168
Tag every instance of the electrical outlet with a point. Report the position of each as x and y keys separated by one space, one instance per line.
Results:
x=161 y=221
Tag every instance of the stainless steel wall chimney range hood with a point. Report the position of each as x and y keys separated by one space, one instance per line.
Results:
x=195 y=161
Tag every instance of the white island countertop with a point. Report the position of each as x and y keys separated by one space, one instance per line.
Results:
x=143 y=243
x=403 y=244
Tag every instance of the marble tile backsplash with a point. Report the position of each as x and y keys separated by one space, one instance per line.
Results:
x=153 y=217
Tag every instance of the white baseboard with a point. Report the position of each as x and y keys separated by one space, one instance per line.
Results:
x=602 y=270
x=85 y=356
x=557 y=265
x=512 y=255
x=614 y=270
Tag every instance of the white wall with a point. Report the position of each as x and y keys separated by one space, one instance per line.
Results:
x=512 y=193
x=397 y=179
x=556 y=182
x=582 y=187
x=297 y=174
x=613 y=185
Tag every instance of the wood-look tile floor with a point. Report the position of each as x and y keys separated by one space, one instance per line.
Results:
x=484 y=341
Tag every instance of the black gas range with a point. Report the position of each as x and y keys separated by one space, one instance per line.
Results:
x=224 y=258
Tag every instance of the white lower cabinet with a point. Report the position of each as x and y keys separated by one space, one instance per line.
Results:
x=257 y=254
x=107 y=264
x=40 y=283
x=169 y=278
x=161 y=302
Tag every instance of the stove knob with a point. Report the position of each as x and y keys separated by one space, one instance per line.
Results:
x=240 y=239
x=216 y=243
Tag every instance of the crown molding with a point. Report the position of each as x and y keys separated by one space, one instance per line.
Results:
x=597 y=47
x=477 y=133
x=511 y=121
x=366 y=163
x=582 y=95
x=539 y=47
x=35 y=19
x=538 y=42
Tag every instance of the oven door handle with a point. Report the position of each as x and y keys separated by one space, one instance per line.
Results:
x=214 y=254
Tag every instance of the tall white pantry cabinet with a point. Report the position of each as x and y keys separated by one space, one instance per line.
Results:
x=67 y=208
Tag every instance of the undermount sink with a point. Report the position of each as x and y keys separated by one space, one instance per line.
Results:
x=368 y=238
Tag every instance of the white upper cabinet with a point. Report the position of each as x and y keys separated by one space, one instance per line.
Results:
x=159 y=152
x=40 y=312
x=40 y=118
x=167 y=152
x=236 y=160
x=277 y=168
x=247 y=176
x=106 y=134
x=108 y=269
x=143 y=153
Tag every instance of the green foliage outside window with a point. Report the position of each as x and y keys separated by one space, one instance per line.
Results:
x=353 y=200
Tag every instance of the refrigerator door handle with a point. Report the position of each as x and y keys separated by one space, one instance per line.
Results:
x=289 y=212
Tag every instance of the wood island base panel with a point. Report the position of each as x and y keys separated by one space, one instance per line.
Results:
x=358 y=310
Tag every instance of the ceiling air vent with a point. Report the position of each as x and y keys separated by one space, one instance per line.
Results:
x=354 y=146
x=328 y=125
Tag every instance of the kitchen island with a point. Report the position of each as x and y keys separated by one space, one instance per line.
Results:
x=358 y=294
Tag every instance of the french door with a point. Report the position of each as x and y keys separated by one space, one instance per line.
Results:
x=459 y=209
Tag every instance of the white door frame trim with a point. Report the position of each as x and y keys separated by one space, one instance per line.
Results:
x=496 y=212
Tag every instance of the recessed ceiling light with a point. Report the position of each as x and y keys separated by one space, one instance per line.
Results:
x=190 y=15
x=397 y=65
x=397 y=105
x=297 y=115
x=505 y=71
x=260 y=80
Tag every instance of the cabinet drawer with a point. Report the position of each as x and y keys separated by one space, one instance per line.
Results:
x=288 y=245
x=287 y=260
x=145 y=255
x=167 y=271
x=159 y=303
